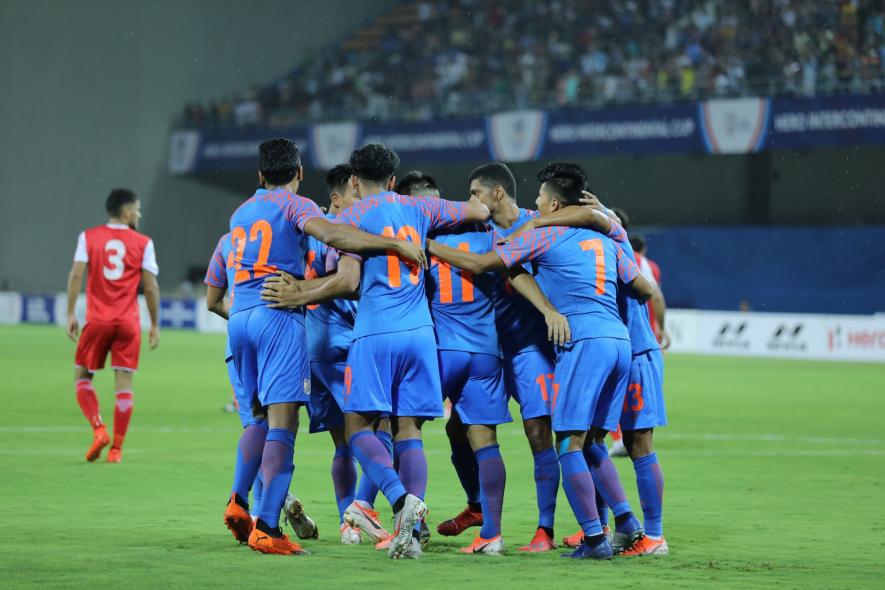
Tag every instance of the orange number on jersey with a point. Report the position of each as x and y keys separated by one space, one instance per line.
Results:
x=309 y=272
x=238 y=241
x=596 y=246
x=262 y=268
x=634 y=389
x=445 y=279
x=393 y=260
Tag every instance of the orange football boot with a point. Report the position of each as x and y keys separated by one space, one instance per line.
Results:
x=493 y=546
x=100 y=440
x=115 y=455
x=645 y=545
x=455 y=526
x=264 y=543
x=384 y=543
x=540 y=542
x=238 y=521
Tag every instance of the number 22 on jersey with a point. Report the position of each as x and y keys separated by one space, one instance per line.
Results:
x=262 y=229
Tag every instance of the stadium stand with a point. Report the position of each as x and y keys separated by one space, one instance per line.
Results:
x=460 y=57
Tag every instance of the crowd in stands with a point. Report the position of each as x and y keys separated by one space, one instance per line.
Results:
x=449 y=58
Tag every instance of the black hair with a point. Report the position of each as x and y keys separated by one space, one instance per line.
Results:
x=338 y=177
x=495 y=174
x=278 y=161
x=117 y=199
x=622 y=215
x=374 y=162
x=565 y=180
x=637 y=242
x=413 y=181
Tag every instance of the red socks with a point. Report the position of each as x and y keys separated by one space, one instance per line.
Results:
x=122 y=414
x=88 y=402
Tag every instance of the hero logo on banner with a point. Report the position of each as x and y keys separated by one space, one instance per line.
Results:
x=183 y=151
x=734 y=126
x=517 y=136
x=332 y=143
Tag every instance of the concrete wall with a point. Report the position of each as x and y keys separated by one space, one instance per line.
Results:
x=88 y=90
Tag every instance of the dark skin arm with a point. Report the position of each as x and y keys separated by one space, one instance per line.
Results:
x=558 y=330
x=349 y=239
x=215 y=301
x=589 y=216
x=643 y=288
x=285 y=291
x=659 y=305
x=469 y=261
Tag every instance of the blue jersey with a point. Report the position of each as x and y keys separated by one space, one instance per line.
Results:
x=329 y=325
x=219 y=274
x=460 y=303
x=578 y=270
x=267 y=235
x=521 y=327
x=392 y=294
x=635 y=314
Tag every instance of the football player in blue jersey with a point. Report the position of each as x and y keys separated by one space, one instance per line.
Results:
x=268 y=233
x=392 y=367
x=471 y=372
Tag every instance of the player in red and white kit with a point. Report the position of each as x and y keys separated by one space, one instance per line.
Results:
x=118 y=258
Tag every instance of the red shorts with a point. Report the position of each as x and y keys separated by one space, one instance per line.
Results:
x=123 y=341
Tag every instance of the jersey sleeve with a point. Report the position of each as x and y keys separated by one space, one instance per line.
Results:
x=81 y=254
x=617 y=233
x=216 y=276
x=149 y=259
x=529 y=246
x=442 y=214
x=627 y=268
x=299 y=212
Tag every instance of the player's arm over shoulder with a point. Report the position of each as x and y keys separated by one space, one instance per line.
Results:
x=469 y=261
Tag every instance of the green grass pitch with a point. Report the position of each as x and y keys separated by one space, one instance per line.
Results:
x=775 y=476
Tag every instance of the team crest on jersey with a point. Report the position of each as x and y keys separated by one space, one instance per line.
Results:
x=734 y=126
x=517 y=136
x=307 y=387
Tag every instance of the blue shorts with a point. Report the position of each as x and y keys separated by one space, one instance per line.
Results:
x=326 y=396
x=644 y=403
x=474 y=382
x=528 y=378
x=269 y=347
x=243 y=401
x=591 y=378
x=395 y=373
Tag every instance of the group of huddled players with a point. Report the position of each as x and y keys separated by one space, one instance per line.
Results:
x=344 y=313
x=375 y=313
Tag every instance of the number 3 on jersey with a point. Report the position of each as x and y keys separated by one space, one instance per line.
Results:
x=238 y=241
x=116 y=251
x=406 y=232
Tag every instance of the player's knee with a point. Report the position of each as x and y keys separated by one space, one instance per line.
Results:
x=481 y=436
x=569 y=442
x=639 y=443
x=537 y=431
x=407 y=428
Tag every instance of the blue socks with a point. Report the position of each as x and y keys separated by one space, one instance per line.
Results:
x=650 y=482
x=343 y=478
x=277 y=469
x=257 y=493
x=578 y=486
x=249 y=450
x=377 y=464
x=546 y=485
x=492 y=477
x=367 y=491
x=464 y=462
